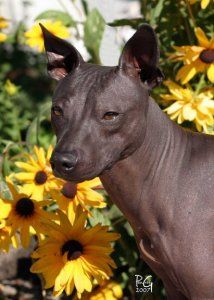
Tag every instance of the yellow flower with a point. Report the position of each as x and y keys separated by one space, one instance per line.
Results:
x=196 y=59
x=3 y=37
x=108 y=290
x=197 y=107
x=11 y=88
x=37 y=177
x=5 y=237
x=204 y=3
x=3 y=23
x=75 y=255
x=22 y=213
x=34 y=36
x=69 y=196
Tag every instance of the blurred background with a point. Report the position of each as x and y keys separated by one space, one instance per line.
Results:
x=98 y=29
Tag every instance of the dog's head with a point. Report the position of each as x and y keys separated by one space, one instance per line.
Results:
x=99 y=113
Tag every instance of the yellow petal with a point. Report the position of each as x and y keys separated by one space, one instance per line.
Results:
x=81 y=281
x=189 y=113
x=3 y=37
x=210 y=73
x=63 y=276
x=70 y=286
x=186 y=73
x=173 y=108
x=27 y=189
x=12 y=188
x=204 y=3
x=201 y=37
x=23 y=176
x=26 y=166
x=71 y=212
x=25 y=236
x=5 y=209
x=43 y=264
x=38 y=192
x=90 y=183
x=49 y=152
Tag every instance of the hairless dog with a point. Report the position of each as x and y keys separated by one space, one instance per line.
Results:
x=158 y=174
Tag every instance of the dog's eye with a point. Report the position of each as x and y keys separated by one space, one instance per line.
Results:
x=110 y=115
x=57 y=111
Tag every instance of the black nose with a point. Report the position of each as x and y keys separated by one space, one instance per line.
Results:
x=63 y=162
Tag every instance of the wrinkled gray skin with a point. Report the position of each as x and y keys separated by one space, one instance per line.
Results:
x=159 y=175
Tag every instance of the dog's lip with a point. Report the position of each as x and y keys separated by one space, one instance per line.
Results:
x=73 y=178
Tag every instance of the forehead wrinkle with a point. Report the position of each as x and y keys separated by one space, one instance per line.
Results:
x=98 y=81
x=85 y=84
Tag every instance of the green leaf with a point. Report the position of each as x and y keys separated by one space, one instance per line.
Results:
x=99 y=216
x=55 y=15
x=32 y=134
x=156 y=12
x=127 y=22
x=6 y=166
x=93 y=32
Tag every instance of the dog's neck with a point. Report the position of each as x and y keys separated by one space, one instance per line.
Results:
x=134 y=180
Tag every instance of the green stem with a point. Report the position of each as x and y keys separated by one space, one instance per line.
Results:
x=200 y=84
x=191 y=13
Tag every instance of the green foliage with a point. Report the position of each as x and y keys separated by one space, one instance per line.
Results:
x=93 y=33
x=12 y=121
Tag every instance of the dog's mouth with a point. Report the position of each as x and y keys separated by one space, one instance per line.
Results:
x=77 y=177
x=80 y=173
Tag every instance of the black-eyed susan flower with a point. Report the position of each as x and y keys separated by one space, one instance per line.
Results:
x=196 y=59
x=189 y=105
x=37 y=176
x=5 y=237
x=34 y=36
x=204 y=3
x=75 y=255
x=108 y=290
x=22 y=212
x=69 y=196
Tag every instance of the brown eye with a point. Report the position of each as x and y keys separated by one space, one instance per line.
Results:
x=110 y=115
x=57 y=111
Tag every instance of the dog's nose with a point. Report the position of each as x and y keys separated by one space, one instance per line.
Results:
x=63 y=162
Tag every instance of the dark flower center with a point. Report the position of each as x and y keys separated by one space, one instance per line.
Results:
x=207 y=56
x=25 y=207
x=41 y=177
x=69 y=190
x=74 y=249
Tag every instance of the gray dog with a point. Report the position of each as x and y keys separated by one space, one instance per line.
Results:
x=159 y=175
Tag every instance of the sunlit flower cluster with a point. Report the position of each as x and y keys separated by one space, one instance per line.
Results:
x=193 y=104
x=37 y=203
x=189 y=105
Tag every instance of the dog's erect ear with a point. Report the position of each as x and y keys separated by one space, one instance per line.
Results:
x=62 y=57
x=141 y=55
